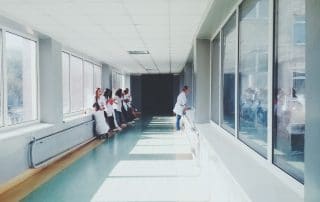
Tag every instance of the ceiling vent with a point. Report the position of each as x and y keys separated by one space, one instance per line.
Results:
x=136 y=52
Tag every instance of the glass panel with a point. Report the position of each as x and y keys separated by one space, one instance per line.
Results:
x=253 y=75
x=20 y=59
x=228 y=64
x=117 y=81
x=88 y=85
x=215 y=69
x=1 y=81
x=289 y=134
x=76 y=84
x=97 y=76
x=66 y=82
x=299 y=32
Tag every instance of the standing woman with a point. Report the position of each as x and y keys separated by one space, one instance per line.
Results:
x=127 y=101
x=181 y=105
x=118 y=107
x=101 y=126
x=109 y=111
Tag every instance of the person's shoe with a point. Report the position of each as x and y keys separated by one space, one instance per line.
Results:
x=110 y=134
x=123 y=125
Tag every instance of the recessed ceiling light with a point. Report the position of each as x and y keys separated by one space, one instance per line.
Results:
x=138 y=52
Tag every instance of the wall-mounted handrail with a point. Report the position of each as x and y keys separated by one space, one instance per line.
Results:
x=35 y=140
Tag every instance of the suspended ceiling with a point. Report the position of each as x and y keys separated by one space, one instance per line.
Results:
x=108 y=29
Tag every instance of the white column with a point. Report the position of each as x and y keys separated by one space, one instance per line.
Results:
x=312 y=135
x=202 y=79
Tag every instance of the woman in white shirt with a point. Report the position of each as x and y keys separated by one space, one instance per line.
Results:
x=99 y=100
x=118 y=107
x=181 y=105
x=110 y=111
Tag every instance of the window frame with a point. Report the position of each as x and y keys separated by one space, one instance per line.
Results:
x=230 y=130
x=272 y=57
x=274 y=91
x=83 y=59
x=3 y=78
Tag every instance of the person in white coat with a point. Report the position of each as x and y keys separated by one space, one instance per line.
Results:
x=181 y=105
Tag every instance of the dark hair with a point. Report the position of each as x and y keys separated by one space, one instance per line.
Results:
x=126 y=90
x=185 y=88
x=107 y=93
x=96 y=105
x=119 y=92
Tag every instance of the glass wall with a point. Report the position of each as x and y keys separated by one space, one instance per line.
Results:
x=215 y=71
x=21 y=79
x=66 y=82
x=289 y=92
x=88 y=89
x=284 y=79
x=253 y=74
x=229 y=48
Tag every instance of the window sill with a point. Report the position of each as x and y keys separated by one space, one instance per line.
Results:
x=6 y=133
x=260 y=177
x=77 y=118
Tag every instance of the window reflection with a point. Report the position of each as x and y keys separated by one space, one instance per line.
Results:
x=76 y=84
x=20 y=61
x=1 y=117
x=66 y=82
x=88 y=84
x=228 y=64
x=290 y=89
x=215 y=70
x=97 y=76
x=253 y=74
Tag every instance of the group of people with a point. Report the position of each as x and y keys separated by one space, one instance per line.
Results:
x=118 y=111
x=115 y=113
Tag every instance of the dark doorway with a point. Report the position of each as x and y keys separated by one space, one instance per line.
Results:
x=157 y=94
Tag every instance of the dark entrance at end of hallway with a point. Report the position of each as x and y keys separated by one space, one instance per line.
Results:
x=157 y=94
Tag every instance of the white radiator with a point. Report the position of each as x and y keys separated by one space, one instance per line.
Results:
x=48 y=148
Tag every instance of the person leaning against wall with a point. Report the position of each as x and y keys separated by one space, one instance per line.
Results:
x=181 y=107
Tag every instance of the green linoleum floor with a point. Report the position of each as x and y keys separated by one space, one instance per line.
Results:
x=148 y=150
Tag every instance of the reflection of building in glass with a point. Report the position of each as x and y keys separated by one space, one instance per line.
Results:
x=229 y=36
x=253 y=74
x=290 y=105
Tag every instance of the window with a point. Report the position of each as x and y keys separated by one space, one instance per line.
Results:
x=117 y=81
x=215 y=71
x=66 y=82
x=289 y=91
x=299 y=31
x=229 y=36
x=80 y=79
x=21 y=79
x=76 y=84
x=253 y=75
x=89 y=90
x=97 y=76
x=1 y=81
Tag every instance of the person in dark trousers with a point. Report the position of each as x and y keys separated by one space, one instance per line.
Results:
x=127 y=99
x=110 y=111
x=118 y=108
